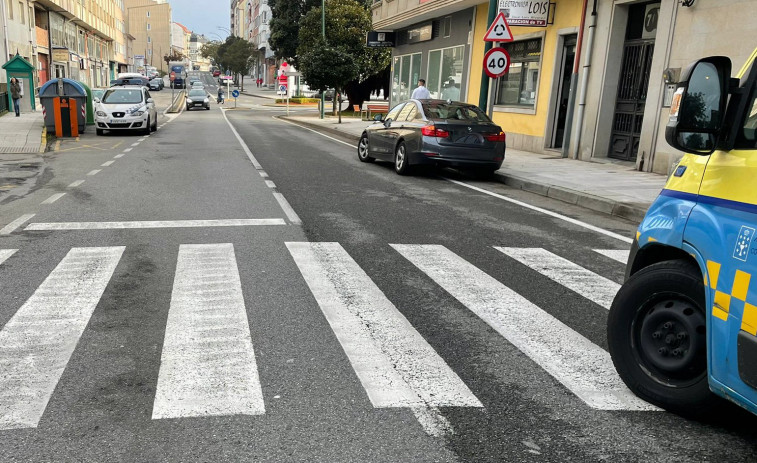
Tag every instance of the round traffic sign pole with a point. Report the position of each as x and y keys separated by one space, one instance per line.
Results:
x=496 y=62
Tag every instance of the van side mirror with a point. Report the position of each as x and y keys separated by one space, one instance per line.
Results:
x=698 y=108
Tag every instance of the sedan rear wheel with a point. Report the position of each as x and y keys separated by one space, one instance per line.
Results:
x=401 y=165
x=362 y=149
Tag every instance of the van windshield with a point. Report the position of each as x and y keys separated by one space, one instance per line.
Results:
x=122 y=96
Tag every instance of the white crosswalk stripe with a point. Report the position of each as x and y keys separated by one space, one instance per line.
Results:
x=621 y=255
x=581 y=366
x=208 y=364
x=6 y=253
x=588 y=284
x=395 y=365
x=37 y=342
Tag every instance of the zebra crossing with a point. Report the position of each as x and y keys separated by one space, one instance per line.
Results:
x=208 y=364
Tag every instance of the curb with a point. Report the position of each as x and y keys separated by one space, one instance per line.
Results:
x=630 y=211
x=43 y=141
x=258 y=96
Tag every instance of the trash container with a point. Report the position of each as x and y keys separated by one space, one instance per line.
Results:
x=90 y=104
x=64 y=107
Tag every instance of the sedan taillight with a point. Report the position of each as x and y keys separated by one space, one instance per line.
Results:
x=431 y=131
x=495 y=136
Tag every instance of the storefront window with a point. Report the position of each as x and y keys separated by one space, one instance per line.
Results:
x=518 y=87
x=445 y=72
x=405 y=75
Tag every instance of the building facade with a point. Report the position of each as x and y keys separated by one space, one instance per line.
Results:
x=621 y=79
x=149 y=21
x=198 y=62
x=257 y=16
x=180 y=36
x=239 y=20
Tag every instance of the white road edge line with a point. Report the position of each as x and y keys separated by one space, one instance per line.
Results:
x=544 y=211
x=291 y=215
x=53 y=198
x=6 y=253
x=241 y=142
x=152 y=224
x=94 y=172
x=76 y=183
x=505 y=198
x=11 y=227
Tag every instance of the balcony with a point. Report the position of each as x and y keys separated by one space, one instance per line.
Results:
x=396 y=14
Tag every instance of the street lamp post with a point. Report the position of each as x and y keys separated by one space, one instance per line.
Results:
x=323 y=33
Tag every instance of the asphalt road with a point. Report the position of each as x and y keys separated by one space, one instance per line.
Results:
x=202 y=299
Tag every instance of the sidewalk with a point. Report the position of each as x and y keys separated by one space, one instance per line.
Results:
x=21 y=134
x=260 y=92
x=612 y=188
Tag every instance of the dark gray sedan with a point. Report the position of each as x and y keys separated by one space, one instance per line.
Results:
x=434 y=132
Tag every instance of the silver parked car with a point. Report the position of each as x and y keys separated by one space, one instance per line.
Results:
x=434 y=132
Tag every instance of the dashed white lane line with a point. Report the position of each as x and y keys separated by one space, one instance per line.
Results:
x=119 y=155
x=207 y=340
x=152 y=224
x=588 y=284
x=620 y=255
x=291 y=215
x=141 y=139
x=106 y=164
x=490 y=193
x=135 y=144
x=128 y=149
x=11 y=227
x=38 y=341
x=6 y=253
x=580 y=365
x=270 y=184
x=53 y=198
x=263 y=173
x=76 y=183
x=94 y=172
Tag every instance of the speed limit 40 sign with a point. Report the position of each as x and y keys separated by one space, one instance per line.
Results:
x=496 y=62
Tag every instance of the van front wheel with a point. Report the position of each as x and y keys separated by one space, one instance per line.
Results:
x=656 y=333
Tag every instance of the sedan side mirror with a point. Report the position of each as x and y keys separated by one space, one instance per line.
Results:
x=378 y=117
x=96 y=100
x=698 y=109
x=150 y=100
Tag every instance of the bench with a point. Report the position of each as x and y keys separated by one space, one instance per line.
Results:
x=374 y=108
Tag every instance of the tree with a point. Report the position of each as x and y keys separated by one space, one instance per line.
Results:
x=285 y=26
x=341 y=68
x=347 y=23
x=239 y=55
x=173 y=56
x=210 y=50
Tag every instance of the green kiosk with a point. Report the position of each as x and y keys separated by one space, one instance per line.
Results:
x=22 y=70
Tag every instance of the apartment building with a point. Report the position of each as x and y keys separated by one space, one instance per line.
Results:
x=198 y=62
x=149 y=21
x=258 y=14
x=180 y=38
x=620 y=102
x=238 y=18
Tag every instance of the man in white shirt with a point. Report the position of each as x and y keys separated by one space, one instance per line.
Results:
x=421 y=93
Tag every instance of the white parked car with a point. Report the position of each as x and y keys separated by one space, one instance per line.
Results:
x=126 y=108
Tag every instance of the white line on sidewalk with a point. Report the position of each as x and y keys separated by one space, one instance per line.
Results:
x=94 y=172
x=620 y=255
x=505 y=198
x=107 y=163
x=37 y=342
x=153 y=224
x=76 y=183
x=393 y=362
x=288 y=211
x=128 y=149
x=270 y=184
x=241 y=142
x=545 y=211
x=11 y=227
x=120 y=155
x=53 y=198
x=6 y=253
x=207 y=367
x=581 y=366
x=588 y=284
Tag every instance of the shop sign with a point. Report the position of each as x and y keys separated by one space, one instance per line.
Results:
x=60 y=54
x=525 y=12
x=375 y=39
x=419 y=34
x=651 y=15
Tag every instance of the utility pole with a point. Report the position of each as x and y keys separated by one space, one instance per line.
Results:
x=483 y=96
x=323 y=32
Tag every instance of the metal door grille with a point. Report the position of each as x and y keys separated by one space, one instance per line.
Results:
x=632 y=96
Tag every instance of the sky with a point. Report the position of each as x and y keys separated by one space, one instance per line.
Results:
x=203 y=16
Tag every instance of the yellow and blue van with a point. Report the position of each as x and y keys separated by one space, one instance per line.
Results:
x=682 y=330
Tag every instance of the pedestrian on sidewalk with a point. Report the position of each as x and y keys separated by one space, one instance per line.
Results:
x=220 y=99
x=16 y=95
x=421 y=93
